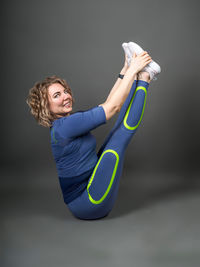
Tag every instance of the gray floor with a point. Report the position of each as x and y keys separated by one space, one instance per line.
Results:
x=155 y=222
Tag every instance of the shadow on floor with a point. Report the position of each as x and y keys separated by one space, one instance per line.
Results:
x=136 y=191
x=143 y=192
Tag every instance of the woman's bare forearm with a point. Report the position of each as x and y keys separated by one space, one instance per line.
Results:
x=117 y=83
x=120 y=92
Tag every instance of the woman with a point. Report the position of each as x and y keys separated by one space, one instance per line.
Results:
x=90 y=182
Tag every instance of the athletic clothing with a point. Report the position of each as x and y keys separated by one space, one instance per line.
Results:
x=72 y=187
x=74 y=149
x=98 y=197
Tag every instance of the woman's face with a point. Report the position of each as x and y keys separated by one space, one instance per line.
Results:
x=60 y=101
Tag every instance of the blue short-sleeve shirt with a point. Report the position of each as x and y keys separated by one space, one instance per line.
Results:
x=74 y=149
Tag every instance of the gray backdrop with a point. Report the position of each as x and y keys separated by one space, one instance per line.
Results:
x=80 y=41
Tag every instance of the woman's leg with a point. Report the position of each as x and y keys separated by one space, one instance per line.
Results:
x=119 y=118
x=143 y=76
x=99 y=197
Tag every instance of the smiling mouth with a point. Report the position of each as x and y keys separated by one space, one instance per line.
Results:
x=68 y=104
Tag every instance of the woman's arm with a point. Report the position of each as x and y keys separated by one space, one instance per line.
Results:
x=117 y=83
x=115 y=101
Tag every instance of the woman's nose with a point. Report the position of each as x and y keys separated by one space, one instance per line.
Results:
x=65 y=96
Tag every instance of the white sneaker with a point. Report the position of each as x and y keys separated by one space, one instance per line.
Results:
x=127 y=52
x=152 y=68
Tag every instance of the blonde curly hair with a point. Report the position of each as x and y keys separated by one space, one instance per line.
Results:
x=39 y=103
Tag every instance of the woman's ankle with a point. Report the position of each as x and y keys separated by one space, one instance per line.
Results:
x=144 y=76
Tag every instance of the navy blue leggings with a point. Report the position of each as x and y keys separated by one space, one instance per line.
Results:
x=99 y=197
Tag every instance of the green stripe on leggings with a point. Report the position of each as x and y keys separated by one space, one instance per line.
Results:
x=127 y=113
x=112 y=178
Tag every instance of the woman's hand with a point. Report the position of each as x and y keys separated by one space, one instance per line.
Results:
x=140 y=61
x=125 y=61
x=125 y=67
